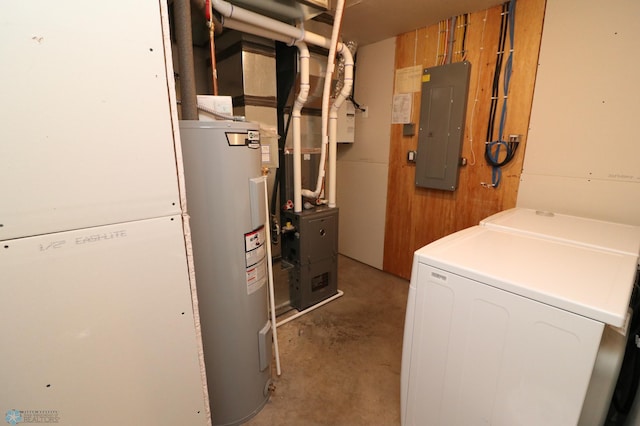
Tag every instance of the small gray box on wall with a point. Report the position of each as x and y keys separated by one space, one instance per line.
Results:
x=442 y=117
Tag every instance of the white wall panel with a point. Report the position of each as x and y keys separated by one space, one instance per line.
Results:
x=362 y=214
x=86 y=138
x=97 y=326
x=585 y=109
x=363 y=166
x=599 y=199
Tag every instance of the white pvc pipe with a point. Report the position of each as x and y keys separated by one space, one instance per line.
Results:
x=326 y=94
x=254 y=23
x=236 y=13
x=272 y=298
x=311 y=308
x=296 y=116
x=333 y=121
x=259 y=31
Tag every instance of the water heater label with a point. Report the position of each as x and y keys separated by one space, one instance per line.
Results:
x=255 y=254
x=254 y=239
x=256 y=277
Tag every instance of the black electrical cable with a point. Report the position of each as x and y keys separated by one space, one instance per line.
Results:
x=464 y=36
x=493 y=146
x=355 y=104
x=496 y=74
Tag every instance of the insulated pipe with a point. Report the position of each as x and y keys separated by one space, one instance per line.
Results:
x=188 y=98
x=333 y=120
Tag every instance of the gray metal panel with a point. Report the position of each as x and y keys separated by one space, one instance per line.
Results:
x=313 y=250
x=442 y=116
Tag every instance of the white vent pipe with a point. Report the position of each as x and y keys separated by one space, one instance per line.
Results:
x=254 y=23
x=326 y=94
x=296 y=115
x=237 y=14
x=333 y=120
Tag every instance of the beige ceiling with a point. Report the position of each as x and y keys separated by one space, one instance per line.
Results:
x=368 y=21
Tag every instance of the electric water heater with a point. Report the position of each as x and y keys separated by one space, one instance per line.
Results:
x=225 y=201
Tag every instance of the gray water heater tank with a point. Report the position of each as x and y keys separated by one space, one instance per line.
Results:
x=225 y=200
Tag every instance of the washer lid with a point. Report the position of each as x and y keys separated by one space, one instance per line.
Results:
x=584 y=280
x=578 y=230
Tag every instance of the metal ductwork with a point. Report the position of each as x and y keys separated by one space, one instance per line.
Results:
x=291 y=11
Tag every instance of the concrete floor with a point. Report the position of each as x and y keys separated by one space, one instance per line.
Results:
x=341 y=362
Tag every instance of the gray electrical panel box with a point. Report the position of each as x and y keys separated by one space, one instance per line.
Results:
x=442 y=117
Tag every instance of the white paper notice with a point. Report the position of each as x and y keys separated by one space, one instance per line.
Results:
x=401 y=112
x=256 y=276
x=408 y=80
x=266 y=153
x=255 y=254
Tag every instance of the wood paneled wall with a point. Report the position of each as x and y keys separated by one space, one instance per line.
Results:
x=417 y=216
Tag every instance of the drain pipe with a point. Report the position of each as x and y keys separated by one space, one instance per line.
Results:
x=333 y=121
x=188 y=98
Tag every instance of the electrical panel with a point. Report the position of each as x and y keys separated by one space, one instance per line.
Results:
x=442 y=117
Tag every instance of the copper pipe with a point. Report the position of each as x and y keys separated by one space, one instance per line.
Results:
x=214 y=69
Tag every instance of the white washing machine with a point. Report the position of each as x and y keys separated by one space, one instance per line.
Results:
x=504 y=327
x=572 y=229
x=617 y=237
